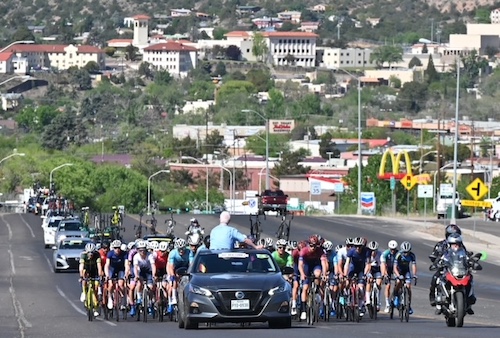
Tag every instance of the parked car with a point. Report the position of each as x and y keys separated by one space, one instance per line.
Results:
x=238 y=286
x=67 y=253
x=70 y=227
x=49 y=231
x=273 y=200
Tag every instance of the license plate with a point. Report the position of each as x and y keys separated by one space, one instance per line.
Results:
x=240 y=304
x=275 y=205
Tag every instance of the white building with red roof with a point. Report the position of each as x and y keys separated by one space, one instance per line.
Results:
x=58 y=56
x=173 y=56
x=6 y=62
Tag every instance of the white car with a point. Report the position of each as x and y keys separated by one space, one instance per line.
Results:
x=49 y=231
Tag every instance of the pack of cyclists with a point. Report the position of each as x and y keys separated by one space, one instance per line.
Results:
x=129 y=266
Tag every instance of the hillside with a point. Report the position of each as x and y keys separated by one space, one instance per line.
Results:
x=67 y=18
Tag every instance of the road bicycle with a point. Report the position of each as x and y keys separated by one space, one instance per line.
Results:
x=405 y=301
x=283 y=231
x=86 y=217
x=171 y=223
x=327 y=301
x=161 y=299
x=373 y=307
x=313 y=301
x=351 y=294
x=255 y=226
x=153 y=222
x=91 y=303
x=119 y=301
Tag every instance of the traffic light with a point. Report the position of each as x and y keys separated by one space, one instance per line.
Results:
x=408 y=182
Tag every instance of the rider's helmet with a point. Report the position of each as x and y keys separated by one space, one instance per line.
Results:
x=194 y=221
x=179 y=243
x=206 y=241
x=314 y=240
x=281 y=243
x=268 y=242
x=373 y=245
x=142 y=245
x=405 y=246
x=348 y=241
x=116 y=244
x=163 y=246
x=130 y=245
x=293 y=245
x=261 y=242
x=105 y=245
x=328 y=245
x=454 y=239
x=301 y=245
x=451 y=229
x=321 y=240
x=154 y=245
x=123 y=247
x=392 y=244
x=338 y=247
x=89 y=247
x=359 y=241
x=194 y=239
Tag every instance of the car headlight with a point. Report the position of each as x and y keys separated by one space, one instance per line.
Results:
x=280 y=288
x=60 y=238
x=200 y=291
x=59 y=256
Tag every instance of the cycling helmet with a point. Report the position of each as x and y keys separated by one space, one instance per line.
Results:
x=163 y=246
x=90 y=247
x=98 y=246
x=301 y=245
x=194 y=239
x=262 y=242
x=338 y=247
x=373 y=245
x=359 y=241
x=179 y=243
x=405 y=246
x=268 y=242
x=454 y=239
x=116 y=244
x=392 y=244
x=348 y=241
x=130 y=245
x=193 y=221
x=123 y=247
x=328 y=246
x=293 y=245
x=314 y=240
x=321 y=240
x=281 y=242
x=105 y=245
x=154 y=245
x=451 y=229
x=141 y=245
x=206 y=241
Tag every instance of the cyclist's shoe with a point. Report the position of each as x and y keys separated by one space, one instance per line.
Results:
x=96 y=313
x=123 y=307
x=110 y=303
x=362 y=311
x=139 y=301
x=342 y=301
x=82 y=297
x=387 y=308
x=410 y=311
x=132 y=311
x=396 y=301
x=170 y=308
x=293 y=312
x=174 y=301
x=150 y=310
x=321 y=313
x=378 y=307
x=303 y=315
x=470 y=311
x=333 y=313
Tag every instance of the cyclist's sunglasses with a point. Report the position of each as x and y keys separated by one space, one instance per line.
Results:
x=280 y=247
x=142 y=250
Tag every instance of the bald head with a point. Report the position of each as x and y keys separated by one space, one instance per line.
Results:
x=225 y=217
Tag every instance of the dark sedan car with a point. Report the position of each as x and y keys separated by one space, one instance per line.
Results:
x=238 y=286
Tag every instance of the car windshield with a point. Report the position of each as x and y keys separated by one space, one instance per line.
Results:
x=71 y=226
x=54 y=223
x=274 y=193
x=73 y=245
x=234 y=262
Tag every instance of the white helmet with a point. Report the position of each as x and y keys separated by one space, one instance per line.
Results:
x=142 y=245
x=405 y=247
x=338 y=247
x=373 y=245
x=163 y=246
x=328 y=245
x=116 y=244
x=154 y=245
x=262 y=242
x=293 y=244
x=194 y=239
x=123 y=247
x=268 y=242
x=130 y=245
x=193 y=221
x=90 y=247
x=281 y=242
x=393 y=244
x=179 y=243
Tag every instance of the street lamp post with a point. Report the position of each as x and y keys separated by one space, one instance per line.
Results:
x=206 y=177
x=268 y=180
x=12 y=155
x=149 y=187
x=435 y=184
x=231 y=190
x=422 y=157
x=455 y=149
x=20 y=42
x=57 y=168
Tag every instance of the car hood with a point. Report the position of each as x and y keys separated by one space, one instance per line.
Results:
x=261 y=281
x=69 y=253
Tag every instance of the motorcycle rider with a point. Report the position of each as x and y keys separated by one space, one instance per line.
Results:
x=439 y=250
x=455 y=243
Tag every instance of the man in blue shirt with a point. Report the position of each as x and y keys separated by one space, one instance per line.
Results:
x=223 y=236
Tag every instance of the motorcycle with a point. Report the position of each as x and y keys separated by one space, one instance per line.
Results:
x=454 y=284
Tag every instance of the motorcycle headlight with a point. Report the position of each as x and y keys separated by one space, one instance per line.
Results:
x=280 y=288
x=200 y=291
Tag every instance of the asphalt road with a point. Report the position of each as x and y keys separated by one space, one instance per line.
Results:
x=39 y=303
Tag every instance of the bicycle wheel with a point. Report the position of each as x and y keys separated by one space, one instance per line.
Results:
x=287 y=232
x=160 y=304
x=401 y=306
x=90 y=301
x=145 y=304
x=375 y=292
x=279 y=233
x=327 y=303
x=116 y=303
x=257 y=230
x=407 y=304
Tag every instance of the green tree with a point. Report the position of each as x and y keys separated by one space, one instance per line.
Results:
x=289 y=164
x=259 y=47
x=231 y=87
x=425 y=50
x=23 y=34
x=91 y=67
x=412 y=96
x=414 y=62
x=301 y=130
x=33 y=119
x=431 y=74
x=261 y=79
x=386 y=54
x=162 y=77
x=183 y=178
x=219 y=33
x=482 y=15
x=215 y=142
x=220 y=69
x=326 y=146
x=146 y=70
x=65 y=130
x=233 y=53
x=257 y=143
x=131 y=52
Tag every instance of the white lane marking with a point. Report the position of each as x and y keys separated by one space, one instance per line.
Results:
x=8 y=228
x=79 y=310
x=29 y=226
x=21 y=319
x=48 y=262
x=12 y=266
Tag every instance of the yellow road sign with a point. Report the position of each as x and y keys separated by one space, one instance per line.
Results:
x=476 y=204
x=408 y=181
x=477 y=189
x=423 y=178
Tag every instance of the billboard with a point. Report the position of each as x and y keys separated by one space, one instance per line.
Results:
x=395 y=162
x=281 y=126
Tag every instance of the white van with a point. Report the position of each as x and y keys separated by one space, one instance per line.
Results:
x=445 y=200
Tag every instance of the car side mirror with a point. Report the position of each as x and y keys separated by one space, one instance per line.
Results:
x=182 y=271
x=287 y=270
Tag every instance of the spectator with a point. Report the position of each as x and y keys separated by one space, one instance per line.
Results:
x=224 y=237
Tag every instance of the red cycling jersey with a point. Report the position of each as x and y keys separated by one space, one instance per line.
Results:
x=295 y=256
x=104 y=255
x=161 y=260
x=312 y=255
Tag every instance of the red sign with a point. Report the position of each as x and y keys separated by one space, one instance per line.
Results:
x=281 y=126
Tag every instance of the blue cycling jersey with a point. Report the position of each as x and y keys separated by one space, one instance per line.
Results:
x=358 y=259
x=404 y=260
x=117 y=260
x=179 y=260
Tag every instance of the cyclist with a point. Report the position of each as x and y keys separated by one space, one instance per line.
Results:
x=372 y=271
x=117 y=217
x=334 y=275
x=404 y=259
x=179 y=257
x=355 y=264
x=143 y=269
x=194 y=240
x=330 y=255
x=387 y=270
x=129 y=274
x=438 y=251
x=194 y=226
x=282 y=257
x=115 y=269
x=295 y=288
x=312 y=258
x=90 y=267
x=159 y=269
x=266 y=243
x=103 y=253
